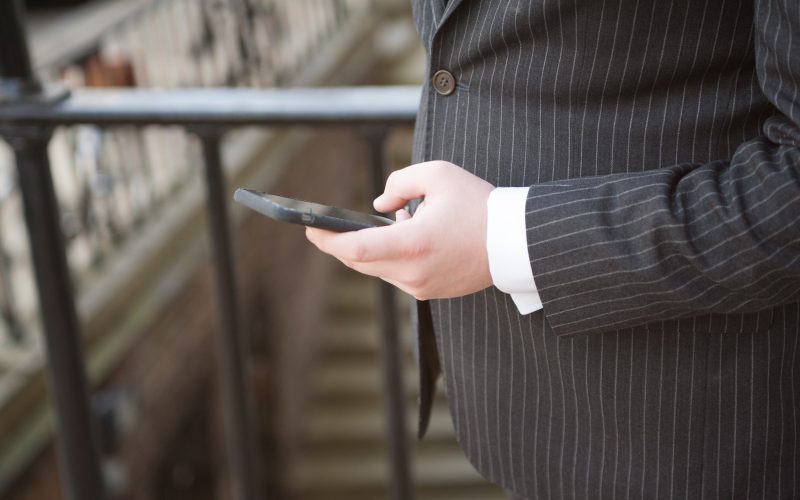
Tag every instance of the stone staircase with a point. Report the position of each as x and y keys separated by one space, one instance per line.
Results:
x=344 y=452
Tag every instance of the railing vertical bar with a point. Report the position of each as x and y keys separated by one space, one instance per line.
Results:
x=391 y=356
x=76 y=444
x=77 y=450
x=240 y=436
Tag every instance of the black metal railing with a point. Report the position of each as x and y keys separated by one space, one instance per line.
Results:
x=111 y=181
x=28 y=115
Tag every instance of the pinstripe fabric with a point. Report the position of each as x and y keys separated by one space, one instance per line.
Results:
x=661 y=141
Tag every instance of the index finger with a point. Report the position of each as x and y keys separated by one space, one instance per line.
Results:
x=402 y=186
x=366 y=245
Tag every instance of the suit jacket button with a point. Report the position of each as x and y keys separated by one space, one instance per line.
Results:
x=444 y=82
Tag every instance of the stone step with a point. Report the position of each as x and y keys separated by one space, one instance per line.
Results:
x=356 y=386
x=353 y=298
x=333 y=377
x=351 y=338
x=452 y=492
x=364 y=425
x=358 y=472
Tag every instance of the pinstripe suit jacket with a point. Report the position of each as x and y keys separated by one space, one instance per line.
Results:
x=661 y=144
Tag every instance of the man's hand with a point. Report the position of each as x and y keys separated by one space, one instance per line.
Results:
x=438 y=253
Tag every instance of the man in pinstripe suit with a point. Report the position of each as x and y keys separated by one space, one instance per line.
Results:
x=620 y=317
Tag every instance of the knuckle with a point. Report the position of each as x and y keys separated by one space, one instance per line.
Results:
x=391 y=180
x=434 y=169
x=417 y=294
x=358 y=253
x=422 y=295
x=440 y=167
x=417 y=243
x=419 y=247
x=417 y=281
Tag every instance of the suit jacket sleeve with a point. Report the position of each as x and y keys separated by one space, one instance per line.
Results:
x=617 y=251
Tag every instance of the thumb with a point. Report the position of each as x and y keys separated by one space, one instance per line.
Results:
x=402 y=186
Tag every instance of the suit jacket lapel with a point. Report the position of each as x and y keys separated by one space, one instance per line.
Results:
x=451 y=6
x=437 y=8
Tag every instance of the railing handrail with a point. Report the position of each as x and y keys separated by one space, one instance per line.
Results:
x=222 y=106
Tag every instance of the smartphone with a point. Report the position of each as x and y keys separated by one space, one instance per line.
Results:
x=307 y=213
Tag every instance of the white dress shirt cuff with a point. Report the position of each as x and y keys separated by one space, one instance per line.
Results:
x=507 y=248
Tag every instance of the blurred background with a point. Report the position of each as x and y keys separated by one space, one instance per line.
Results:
x=134 y=214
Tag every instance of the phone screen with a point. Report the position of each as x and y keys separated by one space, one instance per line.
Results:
x=307 y=207
x=308 y=213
